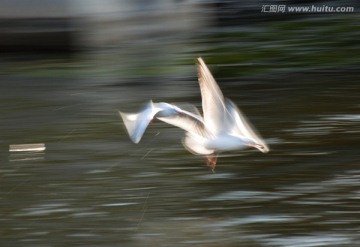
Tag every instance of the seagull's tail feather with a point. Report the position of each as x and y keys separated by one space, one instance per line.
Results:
x=136 y=123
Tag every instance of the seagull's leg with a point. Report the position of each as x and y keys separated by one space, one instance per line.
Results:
x=211 y=161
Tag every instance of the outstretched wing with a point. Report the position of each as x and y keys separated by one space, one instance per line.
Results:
x=136 y=123
x=212 y=98
x=238 y=124
x=185 y=120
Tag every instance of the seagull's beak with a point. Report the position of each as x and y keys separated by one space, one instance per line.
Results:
x=260 y=147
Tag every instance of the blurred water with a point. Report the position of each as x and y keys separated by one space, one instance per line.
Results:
x=93 y=187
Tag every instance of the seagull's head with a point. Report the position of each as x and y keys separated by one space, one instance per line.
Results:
x=261 y=147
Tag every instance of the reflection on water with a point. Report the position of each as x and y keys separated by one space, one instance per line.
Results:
x=93 y=187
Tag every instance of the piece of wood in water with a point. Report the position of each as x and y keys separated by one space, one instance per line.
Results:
x=34 y=147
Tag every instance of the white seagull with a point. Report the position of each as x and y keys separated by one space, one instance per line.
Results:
x=221 y=128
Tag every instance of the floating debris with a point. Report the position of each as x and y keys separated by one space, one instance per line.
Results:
x=34 y=147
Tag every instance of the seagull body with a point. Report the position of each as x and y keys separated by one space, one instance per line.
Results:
x=222 y=127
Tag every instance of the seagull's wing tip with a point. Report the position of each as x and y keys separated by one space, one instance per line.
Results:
x=199 y=61
x=129 y=120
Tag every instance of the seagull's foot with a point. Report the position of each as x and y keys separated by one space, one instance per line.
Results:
x=211 y=161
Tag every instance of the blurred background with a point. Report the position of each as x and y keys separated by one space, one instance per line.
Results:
x=67 y=67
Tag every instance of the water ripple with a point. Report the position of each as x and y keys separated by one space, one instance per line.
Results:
x=45 y=209
x=319 y=239
x=247 y=196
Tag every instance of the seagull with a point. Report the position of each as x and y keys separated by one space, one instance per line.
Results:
x=221 y=127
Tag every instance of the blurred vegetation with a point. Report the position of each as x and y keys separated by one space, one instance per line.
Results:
x=319 y=42
x=288 y=46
